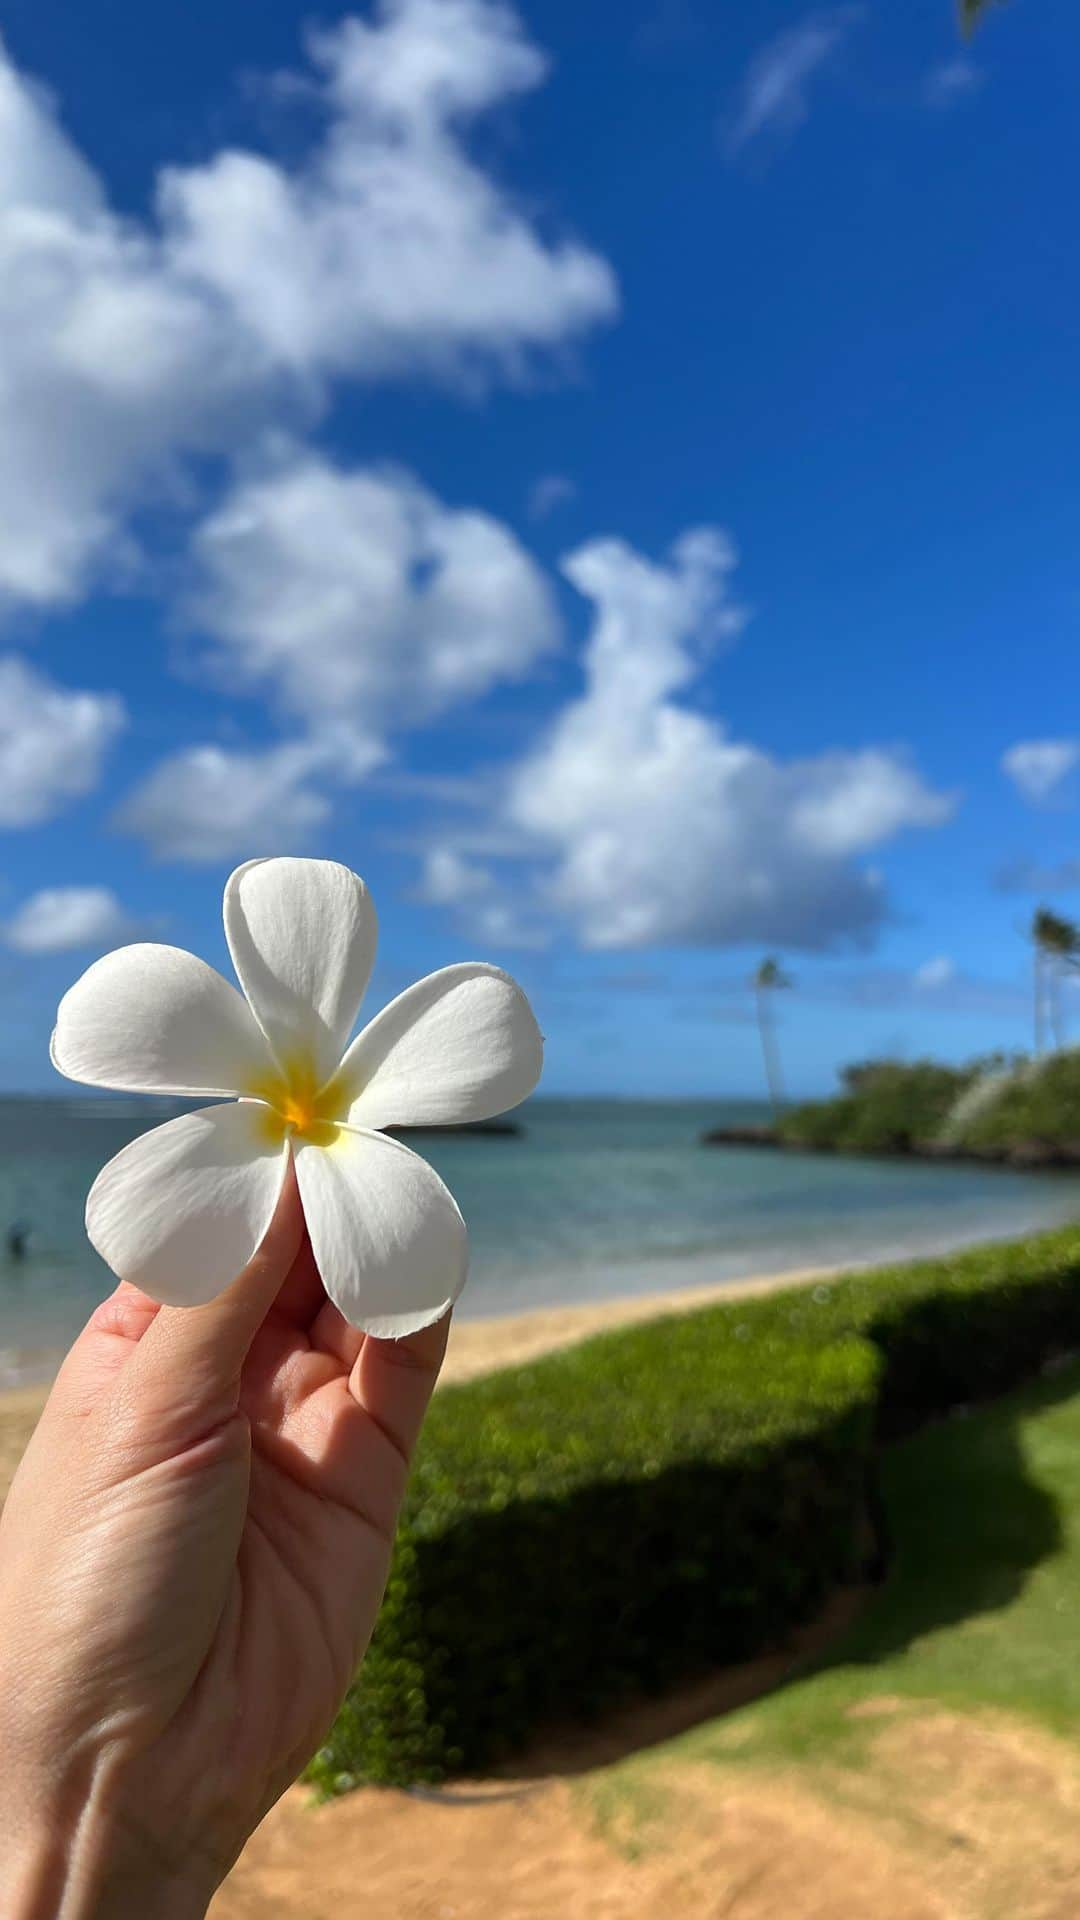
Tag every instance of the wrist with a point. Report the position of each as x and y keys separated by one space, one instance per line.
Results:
x=89 y=1866
x=77 y=1841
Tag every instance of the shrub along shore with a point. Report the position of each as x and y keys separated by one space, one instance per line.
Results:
x=617 y=1519
x=1024 y=1113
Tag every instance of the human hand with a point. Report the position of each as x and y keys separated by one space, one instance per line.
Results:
x=192 y=1556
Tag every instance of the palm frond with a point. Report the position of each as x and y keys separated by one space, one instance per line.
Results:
x=971 y=12
x=770 y=974
x=1053 y=934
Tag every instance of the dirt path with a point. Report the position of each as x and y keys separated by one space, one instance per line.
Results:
x=955 y=1818
x=545 y=1856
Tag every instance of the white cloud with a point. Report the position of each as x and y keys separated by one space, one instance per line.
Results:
x=53 y=741
x=390 y=249
x=362 y=603
x=550 y=491
x=448 y=877
x=935 y=973
x=852 y=801
x=502 y=923
x=774 y=98
x=59 y=919
x=481 y=908
x=126 y=347
x=1037 y=768
x=109 y=365
x=951 y=81
x=651 y=825
x=208 y=804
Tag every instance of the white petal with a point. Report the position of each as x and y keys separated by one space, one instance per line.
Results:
x=152 y=1019
x=461 y=1045
x=181 y=1210
x=387 y=1236
x=302 y=936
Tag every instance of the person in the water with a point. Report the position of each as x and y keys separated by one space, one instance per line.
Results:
x=17 y=1239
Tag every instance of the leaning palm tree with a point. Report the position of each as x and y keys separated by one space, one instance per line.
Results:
x=1056 y=951
x=770 y=978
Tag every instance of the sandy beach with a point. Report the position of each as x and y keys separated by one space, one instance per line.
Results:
x=476 y=1346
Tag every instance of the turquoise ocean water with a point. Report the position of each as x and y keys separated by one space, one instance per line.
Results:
x=594 y=1200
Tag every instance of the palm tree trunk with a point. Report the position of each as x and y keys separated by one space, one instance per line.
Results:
x=1039 y=1004
x=1057 y=1021
x=771 y=1053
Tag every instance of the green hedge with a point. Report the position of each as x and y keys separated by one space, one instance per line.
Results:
x=665 y=1499
x=958 y=1329
x=605 y=1522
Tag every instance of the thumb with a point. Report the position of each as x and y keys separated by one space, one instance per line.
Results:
x=186 y=1367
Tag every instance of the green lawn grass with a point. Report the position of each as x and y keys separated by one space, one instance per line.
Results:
x=981 y=1606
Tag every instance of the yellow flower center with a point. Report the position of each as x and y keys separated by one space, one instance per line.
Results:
x=296 y=1104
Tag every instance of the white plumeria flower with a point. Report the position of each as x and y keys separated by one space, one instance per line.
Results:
x=181 y=1210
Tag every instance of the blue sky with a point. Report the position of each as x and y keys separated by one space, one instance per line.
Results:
x=608 y=474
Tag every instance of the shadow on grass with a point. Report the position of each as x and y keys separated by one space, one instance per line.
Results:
x=961 y=1525
x=606 y=1605
x=962 y=1521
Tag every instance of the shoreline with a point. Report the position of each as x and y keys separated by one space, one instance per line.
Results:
x=511 y=1340
x=493 y=1341
x=476 y=1346
x=1021 y=1156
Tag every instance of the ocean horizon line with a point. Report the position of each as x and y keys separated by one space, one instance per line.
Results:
x=106 y=1096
